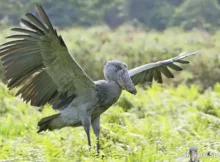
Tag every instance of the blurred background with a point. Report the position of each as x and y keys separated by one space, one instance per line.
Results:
x=147 y=31
x=158 y=15
x=160 y=123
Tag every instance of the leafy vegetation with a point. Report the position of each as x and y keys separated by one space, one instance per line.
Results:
x=136 y=47
x=157 y=14
x=158 y=124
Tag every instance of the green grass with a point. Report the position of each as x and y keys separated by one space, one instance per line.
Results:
x=158 y=124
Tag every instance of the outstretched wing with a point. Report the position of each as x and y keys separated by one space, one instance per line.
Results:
x=38 y=62
x=148 y=72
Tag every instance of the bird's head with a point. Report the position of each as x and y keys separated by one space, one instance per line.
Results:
x=193 y=153
x=117 y=71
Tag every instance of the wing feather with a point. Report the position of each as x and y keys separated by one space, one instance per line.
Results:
x=37 y=22
x=37 y=61
x=166 y=71
x=154 y=70
x=32 y=33
x=44 y=16
x=157 y=76
x=32 y=26
x=175 y=67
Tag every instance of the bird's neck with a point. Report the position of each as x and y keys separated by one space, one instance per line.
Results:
x=114 y=84
x=114 y=87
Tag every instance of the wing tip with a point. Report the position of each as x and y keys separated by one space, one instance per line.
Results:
x=196 y=52
x=37 y=6
x=184 y=54
x=28 y=13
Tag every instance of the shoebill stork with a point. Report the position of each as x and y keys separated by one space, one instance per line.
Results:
x=194 y=155
x=37 y=61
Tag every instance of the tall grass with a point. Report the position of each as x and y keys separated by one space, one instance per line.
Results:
x=160 y=124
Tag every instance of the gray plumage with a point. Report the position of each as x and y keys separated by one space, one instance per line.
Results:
x=194 y=155
x=37 y=61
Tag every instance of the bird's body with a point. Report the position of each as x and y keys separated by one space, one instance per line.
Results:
x=106 y=94
x=37 y=61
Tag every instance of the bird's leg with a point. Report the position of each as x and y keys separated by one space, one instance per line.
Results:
x=96 y=130
x=86 y=122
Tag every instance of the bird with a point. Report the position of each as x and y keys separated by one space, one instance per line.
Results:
x=36 y=61
x=193 y=153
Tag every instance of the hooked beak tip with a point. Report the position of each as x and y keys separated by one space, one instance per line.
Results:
x=134 y=92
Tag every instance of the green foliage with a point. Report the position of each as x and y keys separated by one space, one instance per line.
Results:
x=198 y=13
x=154 y=14
x=157 y=14
x=77 y=12
x=161 y=124
x=92 y=47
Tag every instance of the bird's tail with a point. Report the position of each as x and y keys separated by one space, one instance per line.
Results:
x=45 y=123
